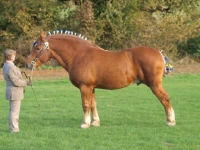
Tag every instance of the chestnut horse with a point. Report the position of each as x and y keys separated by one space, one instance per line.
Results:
x=90 y=67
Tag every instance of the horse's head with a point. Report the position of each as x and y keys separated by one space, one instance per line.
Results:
x=40 y=52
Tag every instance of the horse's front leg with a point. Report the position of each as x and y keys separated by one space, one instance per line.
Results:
x=86 y=95
x=95 y=116
x=162 y=95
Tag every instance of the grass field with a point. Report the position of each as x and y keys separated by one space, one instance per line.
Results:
x=131 y=118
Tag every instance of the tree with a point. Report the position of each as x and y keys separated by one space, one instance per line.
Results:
x=165 y=24
x=116 y=25
x=170 y=25
x=20 y=22
x=108 y=24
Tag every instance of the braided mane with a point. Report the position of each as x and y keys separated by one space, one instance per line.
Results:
x=71 y=33
x=67 y=32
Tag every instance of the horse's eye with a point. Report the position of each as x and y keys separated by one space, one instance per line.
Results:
x=37 y=49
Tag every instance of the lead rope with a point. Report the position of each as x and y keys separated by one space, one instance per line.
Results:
x=29 y=78
x=32 y=74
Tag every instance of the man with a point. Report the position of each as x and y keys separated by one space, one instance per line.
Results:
x=14 y=88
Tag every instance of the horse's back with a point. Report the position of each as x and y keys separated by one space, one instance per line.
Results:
x=145 y=51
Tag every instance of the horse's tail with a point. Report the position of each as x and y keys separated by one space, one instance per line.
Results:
x=167 y=67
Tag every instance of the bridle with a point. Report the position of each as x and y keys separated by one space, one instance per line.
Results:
x=45 y=47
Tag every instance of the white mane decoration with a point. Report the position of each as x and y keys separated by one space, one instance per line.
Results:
x=67 y=32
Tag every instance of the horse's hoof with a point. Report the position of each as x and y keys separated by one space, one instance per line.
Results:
x=84 y=126
x=173 y=123
x=95 y=123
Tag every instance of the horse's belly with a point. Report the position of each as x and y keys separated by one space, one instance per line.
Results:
x=114 y=82
x=111 y=86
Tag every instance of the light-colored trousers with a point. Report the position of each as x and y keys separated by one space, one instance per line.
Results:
x=13 y=117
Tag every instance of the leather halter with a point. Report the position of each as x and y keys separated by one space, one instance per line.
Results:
x=45 y=47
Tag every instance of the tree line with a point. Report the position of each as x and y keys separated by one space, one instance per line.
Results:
x=169 y=25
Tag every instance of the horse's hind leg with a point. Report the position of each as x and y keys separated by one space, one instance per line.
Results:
x=162 y=95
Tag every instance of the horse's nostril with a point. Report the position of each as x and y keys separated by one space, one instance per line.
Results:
x=26 y=65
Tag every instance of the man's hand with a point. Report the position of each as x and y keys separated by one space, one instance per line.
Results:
x=29 y=83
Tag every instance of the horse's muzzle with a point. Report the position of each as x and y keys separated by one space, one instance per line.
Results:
x=28 y=67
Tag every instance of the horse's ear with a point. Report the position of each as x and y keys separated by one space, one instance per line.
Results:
x=42 y=36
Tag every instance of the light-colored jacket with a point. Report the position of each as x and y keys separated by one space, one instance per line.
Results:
x=14 y=82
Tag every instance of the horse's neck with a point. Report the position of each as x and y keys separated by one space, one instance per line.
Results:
x=66 y=49
x=63 y=51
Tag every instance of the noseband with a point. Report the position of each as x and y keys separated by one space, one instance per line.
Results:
x=45 y=47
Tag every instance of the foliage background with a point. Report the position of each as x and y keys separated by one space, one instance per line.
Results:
x=169 y=25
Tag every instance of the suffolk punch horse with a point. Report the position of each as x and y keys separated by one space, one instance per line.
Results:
x=90 y=67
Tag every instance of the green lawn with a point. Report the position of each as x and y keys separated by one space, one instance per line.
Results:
x=131 y=118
